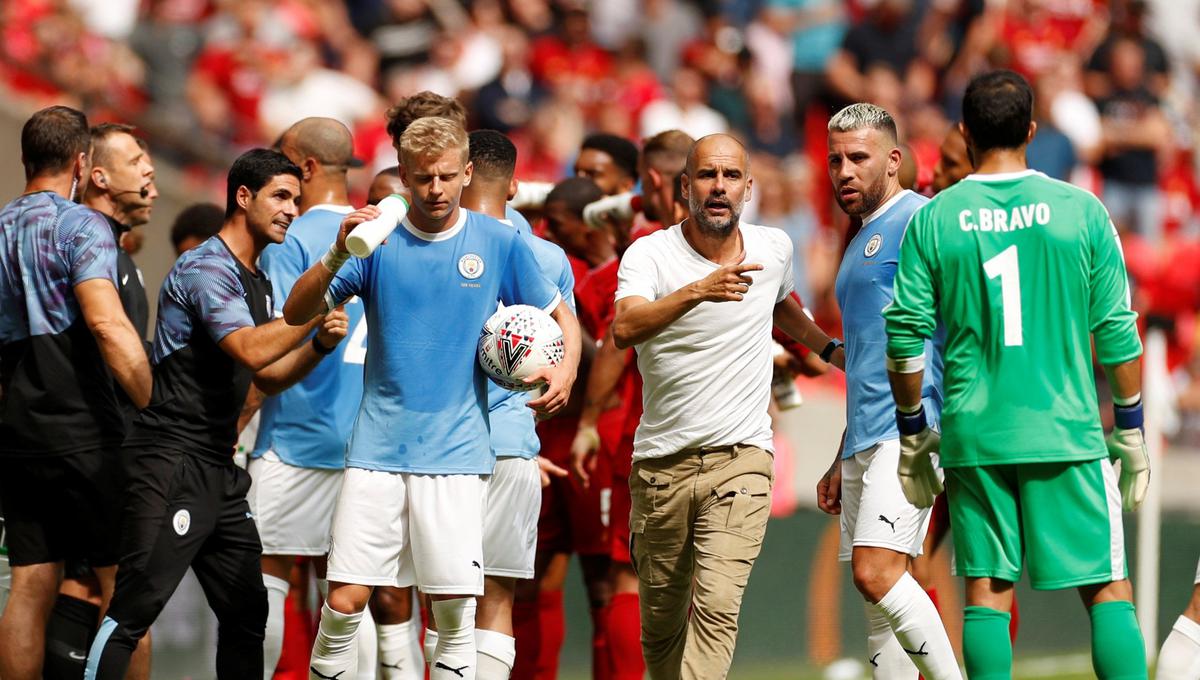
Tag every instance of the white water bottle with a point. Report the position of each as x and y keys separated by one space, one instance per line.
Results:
x=366 y=237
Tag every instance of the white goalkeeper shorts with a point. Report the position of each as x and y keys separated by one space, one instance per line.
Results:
x=875 y=513
x=292 y=506
x=403 y=529
x=510 y=521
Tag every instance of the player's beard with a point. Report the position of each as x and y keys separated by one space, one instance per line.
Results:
x=716 y=227
x=872 y=198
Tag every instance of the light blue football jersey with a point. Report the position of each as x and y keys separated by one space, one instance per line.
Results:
x=517 y=220
x=427 y=296
x=512 y=422
x=308 y=424
x=864 y=288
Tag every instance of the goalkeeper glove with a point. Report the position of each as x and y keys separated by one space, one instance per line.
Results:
x=918 y=477
x=1127 y=443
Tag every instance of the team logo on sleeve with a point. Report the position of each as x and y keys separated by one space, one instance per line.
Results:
x=873 y=245
x=470 y=266
x=181 y=522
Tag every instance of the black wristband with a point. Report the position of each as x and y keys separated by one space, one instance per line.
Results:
x=911 y=423
x=321 y=349
x=830 y=349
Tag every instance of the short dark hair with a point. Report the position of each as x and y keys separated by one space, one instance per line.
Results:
x=52 y=138
x=997 y=109
x=253 y=170
x=423 y=104
x=576 y=193
x=199 y=220
x=100 y=134
x=623 y=152
x=493 y=154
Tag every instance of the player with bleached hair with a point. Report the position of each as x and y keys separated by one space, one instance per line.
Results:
x=881 y=530
x=1025 y=272
x=410 y=509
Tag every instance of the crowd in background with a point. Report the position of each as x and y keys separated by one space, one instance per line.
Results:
x=1115 y=81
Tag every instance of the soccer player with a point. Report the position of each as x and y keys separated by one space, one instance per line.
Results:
x=881 y=530
x=514 y=489
x=573 y=518
x=702 y=470
x=1024 y=272
x=609 y=433
x=1179 y=658
x=386 y=183
x=196 y=224
x=610 y=161
x=410 y=510
x=64 y=337
x=297 y=462
x=954 y=162
x=187 y=500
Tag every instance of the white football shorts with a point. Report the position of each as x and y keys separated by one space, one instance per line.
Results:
x=510 y=520
x=292 y=506
x=875 y=512
x=402 y=529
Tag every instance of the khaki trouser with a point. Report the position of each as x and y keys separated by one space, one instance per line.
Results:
x=696 y=527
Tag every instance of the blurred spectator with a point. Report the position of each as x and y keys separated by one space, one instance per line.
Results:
x=685 y=110
x=1036 y=33
x=568 y=61
x=815 y=29
x=783 y=202
x=508 y=101
x=1050 y=151
x=1071 y=111
x=886 y=35
x=1128 y=22
x=1135 y=131
x=299 y=86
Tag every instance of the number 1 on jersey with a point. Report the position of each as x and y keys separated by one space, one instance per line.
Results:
x=1005 y=266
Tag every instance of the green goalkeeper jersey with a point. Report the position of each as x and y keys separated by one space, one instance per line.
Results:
x=1022 y=270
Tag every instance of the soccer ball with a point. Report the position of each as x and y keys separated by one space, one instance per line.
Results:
x=517 y=342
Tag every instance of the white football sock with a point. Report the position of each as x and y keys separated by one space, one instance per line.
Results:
x=334 y=655
x=367 y=647
x=454 y=658
x=1180 y=655
x=884 y=653
x=277 y=592
x=495 y=654
x=400 y=655
x=919 y=629
x=430 y=646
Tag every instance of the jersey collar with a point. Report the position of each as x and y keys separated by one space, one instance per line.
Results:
x=1002 y=176
x=441 y=235
x=878 y=212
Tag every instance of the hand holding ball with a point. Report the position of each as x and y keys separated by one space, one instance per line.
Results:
x=517 y=342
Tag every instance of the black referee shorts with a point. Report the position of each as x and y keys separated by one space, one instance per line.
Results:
x=186 y=511
x=62 y=507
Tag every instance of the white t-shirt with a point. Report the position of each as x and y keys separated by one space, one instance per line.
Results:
x=707 y=376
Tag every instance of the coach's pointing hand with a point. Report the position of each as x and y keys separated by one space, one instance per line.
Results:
x=727 y=284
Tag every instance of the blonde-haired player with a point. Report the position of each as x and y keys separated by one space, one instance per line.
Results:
x=410 y=508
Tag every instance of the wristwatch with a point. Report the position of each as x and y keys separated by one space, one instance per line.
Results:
x=830 y=349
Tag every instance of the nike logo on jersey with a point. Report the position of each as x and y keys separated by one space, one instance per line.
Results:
x=396 y=665
x=457 y=671
x=889 y=522
x=476 y=564
x=319 y=674
x=873 y=661
x=125 y=279
x=919 y=652
x=77 y=656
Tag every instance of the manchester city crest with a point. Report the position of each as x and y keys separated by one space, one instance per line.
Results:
x=873 y=245
x=470 y=266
